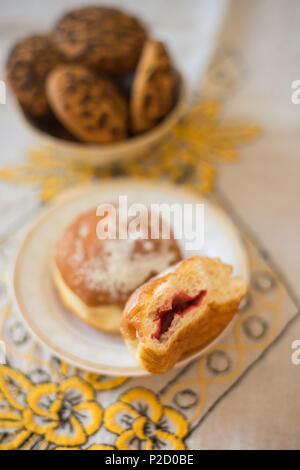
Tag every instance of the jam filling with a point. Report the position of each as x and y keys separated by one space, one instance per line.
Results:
x=182 y=303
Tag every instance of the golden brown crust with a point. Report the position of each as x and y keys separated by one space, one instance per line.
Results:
x=154 y=87
x=204 y=324
x=28 y=64
x=91 y=107
x=106 y=272
x=104 y=38
x=194 y=336
x=103 y=317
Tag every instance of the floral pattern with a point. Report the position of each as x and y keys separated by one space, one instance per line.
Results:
x=101 y=382
x=63 y=414
x=142 y=422
x=189 y=155
x=50 y=173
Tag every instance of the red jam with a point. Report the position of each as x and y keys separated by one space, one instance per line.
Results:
x=182 y=303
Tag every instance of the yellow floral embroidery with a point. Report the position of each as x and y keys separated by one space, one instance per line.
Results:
x=101 y=382
x=101 y=447
x=14 y=387
x=140 y=421
x=188 y=155
x=49 y=173
x=14 y=440
x=64 y=414
x=92 y=447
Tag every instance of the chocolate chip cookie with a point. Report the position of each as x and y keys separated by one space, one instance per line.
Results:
x=91 y=107
x=154 y=87
x=102 y=38
x=27 y=67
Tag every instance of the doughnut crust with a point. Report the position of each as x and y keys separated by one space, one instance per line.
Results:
x=102 y=38
x=91 y=107
x=95 y=277
x=181 y=311
x=154 y=87
x=28 y=64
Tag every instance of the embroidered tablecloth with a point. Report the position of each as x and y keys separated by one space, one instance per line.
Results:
x=242 y=394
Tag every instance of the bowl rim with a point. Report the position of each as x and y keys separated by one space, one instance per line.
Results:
x=127 y=145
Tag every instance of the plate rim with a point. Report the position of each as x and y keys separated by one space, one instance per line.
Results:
x=72 y=194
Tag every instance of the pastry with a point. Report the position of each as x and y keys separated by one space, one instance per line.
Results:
x=180 y=311
x=91 y=107
x=102 y=38
x=154 y=87
x=27 y=67
x=95 y=277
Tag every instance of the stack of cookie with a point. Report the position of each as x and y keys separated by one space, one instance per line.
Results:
x=96 y=78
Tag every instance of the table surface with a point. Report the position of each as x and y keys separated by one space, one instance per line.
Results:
x=262 y=411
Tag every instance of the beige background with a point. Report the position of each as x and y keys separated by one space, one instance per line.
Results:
x=263 y=410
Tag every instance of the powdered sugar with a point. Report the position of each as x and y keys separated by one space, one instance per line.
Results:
x=120 y=269
x=148 y=245
x=78 y=254
x=83 y=230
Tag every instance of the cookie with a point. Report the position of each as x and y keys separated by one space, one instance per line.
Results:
x=90 y=107
x=27 y=67
x=102 y=38
x=154 y=87
x=50 y=125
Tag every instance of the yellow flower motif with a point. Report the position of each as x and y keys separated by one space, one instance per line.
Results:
x=48 y=172
x=101 y=382
x=92 y=447
x=187 y=156
x=64 y=414
x=142 y=422
x=208 y=137
x=14 y=388
x=190 y=153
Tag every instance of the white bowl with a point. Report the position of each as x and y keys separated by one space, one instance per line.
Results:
x=97 y=155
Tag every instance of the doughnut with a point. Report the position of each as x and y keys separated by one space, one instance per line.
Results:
x=95 y=277
x=180 y=311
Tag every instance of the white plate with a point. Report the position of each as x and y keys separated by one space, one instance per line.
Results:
x=39 y=304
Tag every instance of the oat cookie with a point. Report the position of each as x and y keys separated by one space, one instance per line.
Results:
x=103 y=38
x=27 y=67
x=91 y=107
x=154 y=87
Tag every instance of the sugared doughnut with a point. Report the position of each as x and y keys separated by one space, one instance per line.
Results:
x=95 y=277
